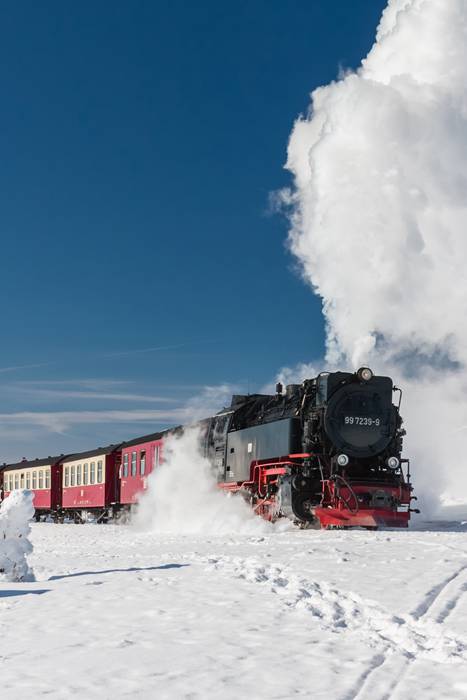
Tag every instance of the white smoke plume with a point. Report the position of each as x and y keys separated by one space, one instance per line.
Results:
x=379 y=223
x=209 y=401
x=183 y=497
x=15 y=514
x=296 y=375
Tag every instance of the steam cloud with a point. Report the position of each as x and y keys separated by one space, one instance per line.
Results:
x=183 y=497
x=379 y=223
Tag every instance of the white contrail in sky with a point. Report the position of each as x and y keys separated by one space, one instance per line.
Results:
x=19 y=367
x=158 y=348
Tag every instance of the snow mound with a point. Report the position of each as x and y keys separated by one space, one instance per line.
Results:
x=15 y=514
x=183 y=497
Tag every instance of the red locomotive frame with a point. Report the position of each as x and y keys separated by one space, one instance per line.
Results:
x=342 y=503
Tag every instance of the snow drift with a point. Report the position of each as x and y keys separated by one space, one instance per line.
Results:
x=183 y=496
x=378 y=220
x=15 y=514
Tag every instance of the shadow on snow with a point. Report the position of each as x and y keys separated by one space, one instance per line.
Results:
x=10 y=593
x=117 y=571
x=439 y=526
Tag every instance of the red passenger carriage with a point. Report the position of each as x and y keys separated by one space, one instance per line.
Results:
x=90 y=483
x=42 y=477
x=139 y=457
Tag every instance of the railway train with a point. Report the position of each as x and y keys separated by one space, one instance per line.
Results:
x=324 y=453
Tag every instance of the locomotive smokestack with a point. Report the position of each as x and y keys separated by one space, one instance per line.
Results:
x=279 y=388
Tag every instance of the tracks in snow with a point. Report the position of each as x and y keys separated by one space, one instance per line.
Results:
x=435 y=607
x=401 y=640
x=386 y=670
x=336 y=611
x=441 y=600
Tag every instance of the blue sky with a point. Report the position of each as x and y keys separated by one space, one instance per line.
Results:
x=139 y=144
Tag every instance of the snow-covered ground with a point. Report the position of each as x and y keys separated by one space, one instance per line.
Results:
x=325 y=615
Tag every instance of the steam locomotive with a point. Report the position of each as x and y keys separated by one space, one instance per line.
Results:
x=325 y=453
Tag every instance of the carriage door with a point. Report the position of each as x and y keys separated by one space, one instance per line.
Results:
x=157 y=456
x=217 y=443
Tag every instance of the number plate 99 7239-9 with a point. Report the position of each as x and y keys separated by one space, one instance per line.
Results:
x=361 y=420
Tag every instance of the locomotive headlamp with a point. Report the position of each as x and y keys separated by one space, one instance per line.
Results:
x=365 y=374
x=392 y=462
x=342 y=460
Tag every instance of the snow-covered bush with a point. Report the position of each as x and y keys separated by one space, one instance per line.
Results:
x=15 y=514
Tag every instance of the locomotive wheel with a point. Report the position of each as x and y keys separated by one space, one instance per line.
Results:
x=303 y=509
x=246 y=495
x=308 y=524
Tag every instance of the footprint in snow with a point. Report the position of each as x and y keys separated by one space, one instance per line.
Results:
x=125 y=643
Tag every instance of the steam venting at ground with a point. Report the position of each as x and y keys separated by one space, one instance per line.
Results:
x=15 y=514
x=183 y=497
x=379 y=223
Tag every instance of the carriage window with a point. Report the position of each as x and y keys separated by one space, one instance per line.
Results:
x=72 y=475
x=12 y=486
x=156 y=456
x=28 y=480
x=78 y=475
x=41 y=479
x=21 y=481
x=16 y=481
x=125 y=464
x=133 y=464
x=99 y=472
x=34 y=480
x=47 y=478
x=142 y=462
x=92 y=473
x=85 y=474
x=67 y=476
